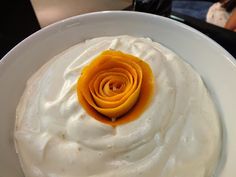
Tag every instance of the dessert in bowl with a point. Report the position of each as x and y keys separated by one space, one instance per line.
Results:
x=101 y=126
x=78 y=143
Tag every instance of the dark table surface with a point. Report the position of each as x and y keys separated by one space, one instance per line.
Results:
x=18 y=20
x=226 y=38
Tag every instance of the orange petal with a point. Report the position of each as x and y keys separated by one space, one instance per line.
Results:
x=111 y=89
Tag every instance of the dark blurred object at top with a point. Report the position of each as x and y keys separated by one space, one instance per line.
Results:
x=194 y=8
x=222 y=36
x=159 y=7
x=229 y=5
x=225 y=38
x=17 y=21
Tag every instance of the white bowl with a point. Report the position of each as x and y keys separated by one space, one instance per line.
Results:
x=216 y=66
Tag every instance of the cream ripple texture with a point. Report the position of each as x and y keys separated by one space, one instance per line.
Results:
x=178 y=135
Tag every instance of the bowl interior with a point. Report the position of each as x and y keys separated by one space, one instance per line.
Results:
x=215 y=65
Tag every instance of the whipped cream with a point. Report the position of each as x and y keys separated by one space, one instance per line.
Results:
x=178 y=135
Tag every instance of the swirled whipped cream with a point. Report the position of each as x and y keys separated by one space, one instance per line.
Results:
x=177 y=135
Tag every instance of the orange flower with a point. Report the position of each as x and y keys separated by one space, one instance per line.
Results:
x=115 y=88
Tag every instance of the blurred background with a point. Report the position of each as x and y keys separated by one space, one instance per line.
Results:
x=19 y=19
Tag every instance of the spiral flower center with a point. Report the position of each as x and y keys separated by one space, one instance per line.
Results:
x=111 y=89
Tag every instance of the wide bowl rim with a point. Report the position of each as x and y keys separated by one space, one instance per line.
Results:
x=57 y=24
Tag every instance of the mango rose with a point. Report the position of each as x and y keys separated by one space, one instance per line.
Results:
x=115 y=87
